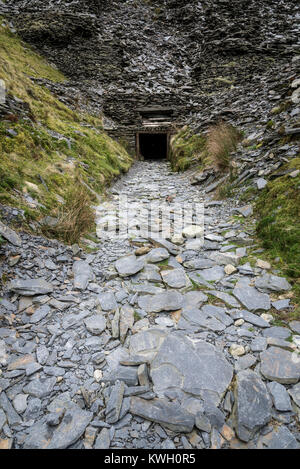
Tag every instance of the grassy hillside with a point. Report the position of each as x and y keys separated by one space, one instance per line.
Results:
x=48 y=152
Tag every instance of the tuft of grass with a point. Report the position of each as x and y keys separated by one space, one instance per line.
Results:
x=222 y=140
x=75 y=218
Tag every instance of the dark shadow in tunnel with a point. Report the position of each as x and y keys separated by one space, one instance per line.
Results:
x=153 y=146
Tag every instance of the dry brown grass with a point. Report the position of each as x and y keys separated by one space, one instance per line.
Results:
x=76 y=217
x=222 y=140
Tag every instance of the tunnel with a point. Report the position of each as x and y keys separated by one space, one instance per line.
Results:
x=153 y=146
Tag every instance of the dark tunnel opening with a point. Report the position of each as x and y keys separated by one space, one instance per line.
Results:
x=153 y=146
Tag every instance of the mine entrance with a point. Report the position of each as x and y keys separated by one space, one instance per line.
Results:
x=152 y=146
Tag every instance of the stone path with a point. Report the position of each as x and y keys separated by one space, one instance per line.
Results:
x=147 y=343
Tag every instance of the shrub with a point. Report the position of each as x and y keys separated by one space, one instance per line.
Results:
x=76 y=217
x=221 y=141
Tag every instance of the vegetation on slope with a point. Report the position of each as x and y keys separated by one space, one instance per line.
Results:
x=49 y=152
x=210 y=150
x=278 y=208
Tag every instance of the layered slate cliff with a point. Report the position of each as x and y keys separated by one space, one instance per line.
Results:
x=205 y=60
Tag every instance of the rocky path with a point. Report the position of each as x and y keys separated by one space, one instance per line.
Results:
x=171 y=346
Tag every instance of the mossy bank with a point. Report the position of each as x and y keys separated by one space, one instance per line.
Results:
x=48 y=151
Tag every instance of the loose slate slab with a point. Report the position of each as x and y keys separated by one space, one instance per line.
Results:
x=251 y=318
x=30 y=287
x=230 y=300
x=190 y=367
x=225 y=258
x=157 y=255
x=10 y=235
x=40 y=387
x=295 y=326
x=129 y=265
x=83 y=273
x=107 y=301
x=295 y=393
x=252 y=405
x=167 y=414
x=194 y=299
x=277 y=332
x=281 y=399
x=146 y=344
x=167 y=301
x=174 y=278
x=95 y=324
x=40 y=314
x=280 y=365
x=214 y=274
x=280 y=438
x=269 y=283
x=172 y=248
x=71 y=428
x=114 y=404
x=251 y=298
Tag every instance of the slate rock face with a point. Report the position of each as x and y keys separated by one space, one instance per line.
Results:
x=30 y=287
x=253 y=405
x=189 y=367
x=280 y=365
x=163 y=412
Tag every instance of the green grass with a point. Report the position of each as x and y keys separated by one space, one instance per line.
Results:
x=278 y=208
x=186 y=149
x=91 y=158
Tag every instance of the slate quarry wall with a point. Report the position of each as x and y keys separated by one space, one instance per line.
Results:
x=206 y=60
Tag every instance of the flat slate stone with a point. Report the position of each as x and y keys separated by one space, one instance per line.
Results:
x=103 y=439
x=190 y=367
x=167 y=414
x=295 y=326
x=71 y=428
x=83 y=273
x=30 y=287
x=251 y=298
x=12 y=417
x=213 y=274
x=174 y=278
x=252 y=405
x=107 y=301
x=251 y=318
x=145 y=344
x=280 y=438
x=277 y=332
x=269 y=283
x=295 y=393
x=130 y=265
x=279 y=365
x=172 y=248
x=10 y=235
x=40 y=314
x=194 y=299
x=281 y=399
x=95 y=324
x=40 y=387
x=228 y=299
x=157 y=255
x=168 y=301
x=199 y=264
